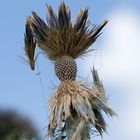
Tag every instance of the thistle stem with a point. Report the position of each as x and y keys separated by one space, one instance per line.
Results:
x=76 y=129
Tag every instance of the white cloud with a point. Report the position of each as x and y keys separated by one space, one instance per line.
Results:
x=121 y=53
x=121 y=68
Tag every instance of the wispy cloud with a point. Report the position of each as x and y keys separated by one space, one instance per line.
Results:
x=121 y=48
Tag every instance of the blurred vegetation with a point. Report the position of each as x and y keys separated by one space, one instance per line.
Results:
x=15 y=126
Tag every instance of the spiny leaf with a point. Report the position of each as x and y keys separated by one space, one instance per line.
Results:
x=63 y=16
x=39 y=22
x=52 y=19
x=30 y=44
x=81 y=20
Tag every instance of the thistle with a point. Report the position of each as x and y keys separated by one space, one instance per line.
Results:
x=75 y=109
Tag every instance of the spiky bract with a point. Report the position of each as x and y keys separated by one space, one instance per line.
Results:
x=61 y=36
x=75 y=102
x=30 y=45
x=97 y=83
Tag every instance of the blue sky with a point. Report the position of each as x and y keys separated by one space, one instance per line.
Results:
x=116 y=59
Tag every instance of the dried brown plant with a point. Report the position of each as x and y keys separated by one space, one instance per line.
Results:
x=75 y=108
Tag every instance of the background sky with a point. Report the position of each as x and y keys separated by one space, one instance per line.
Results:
x=116 y=58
